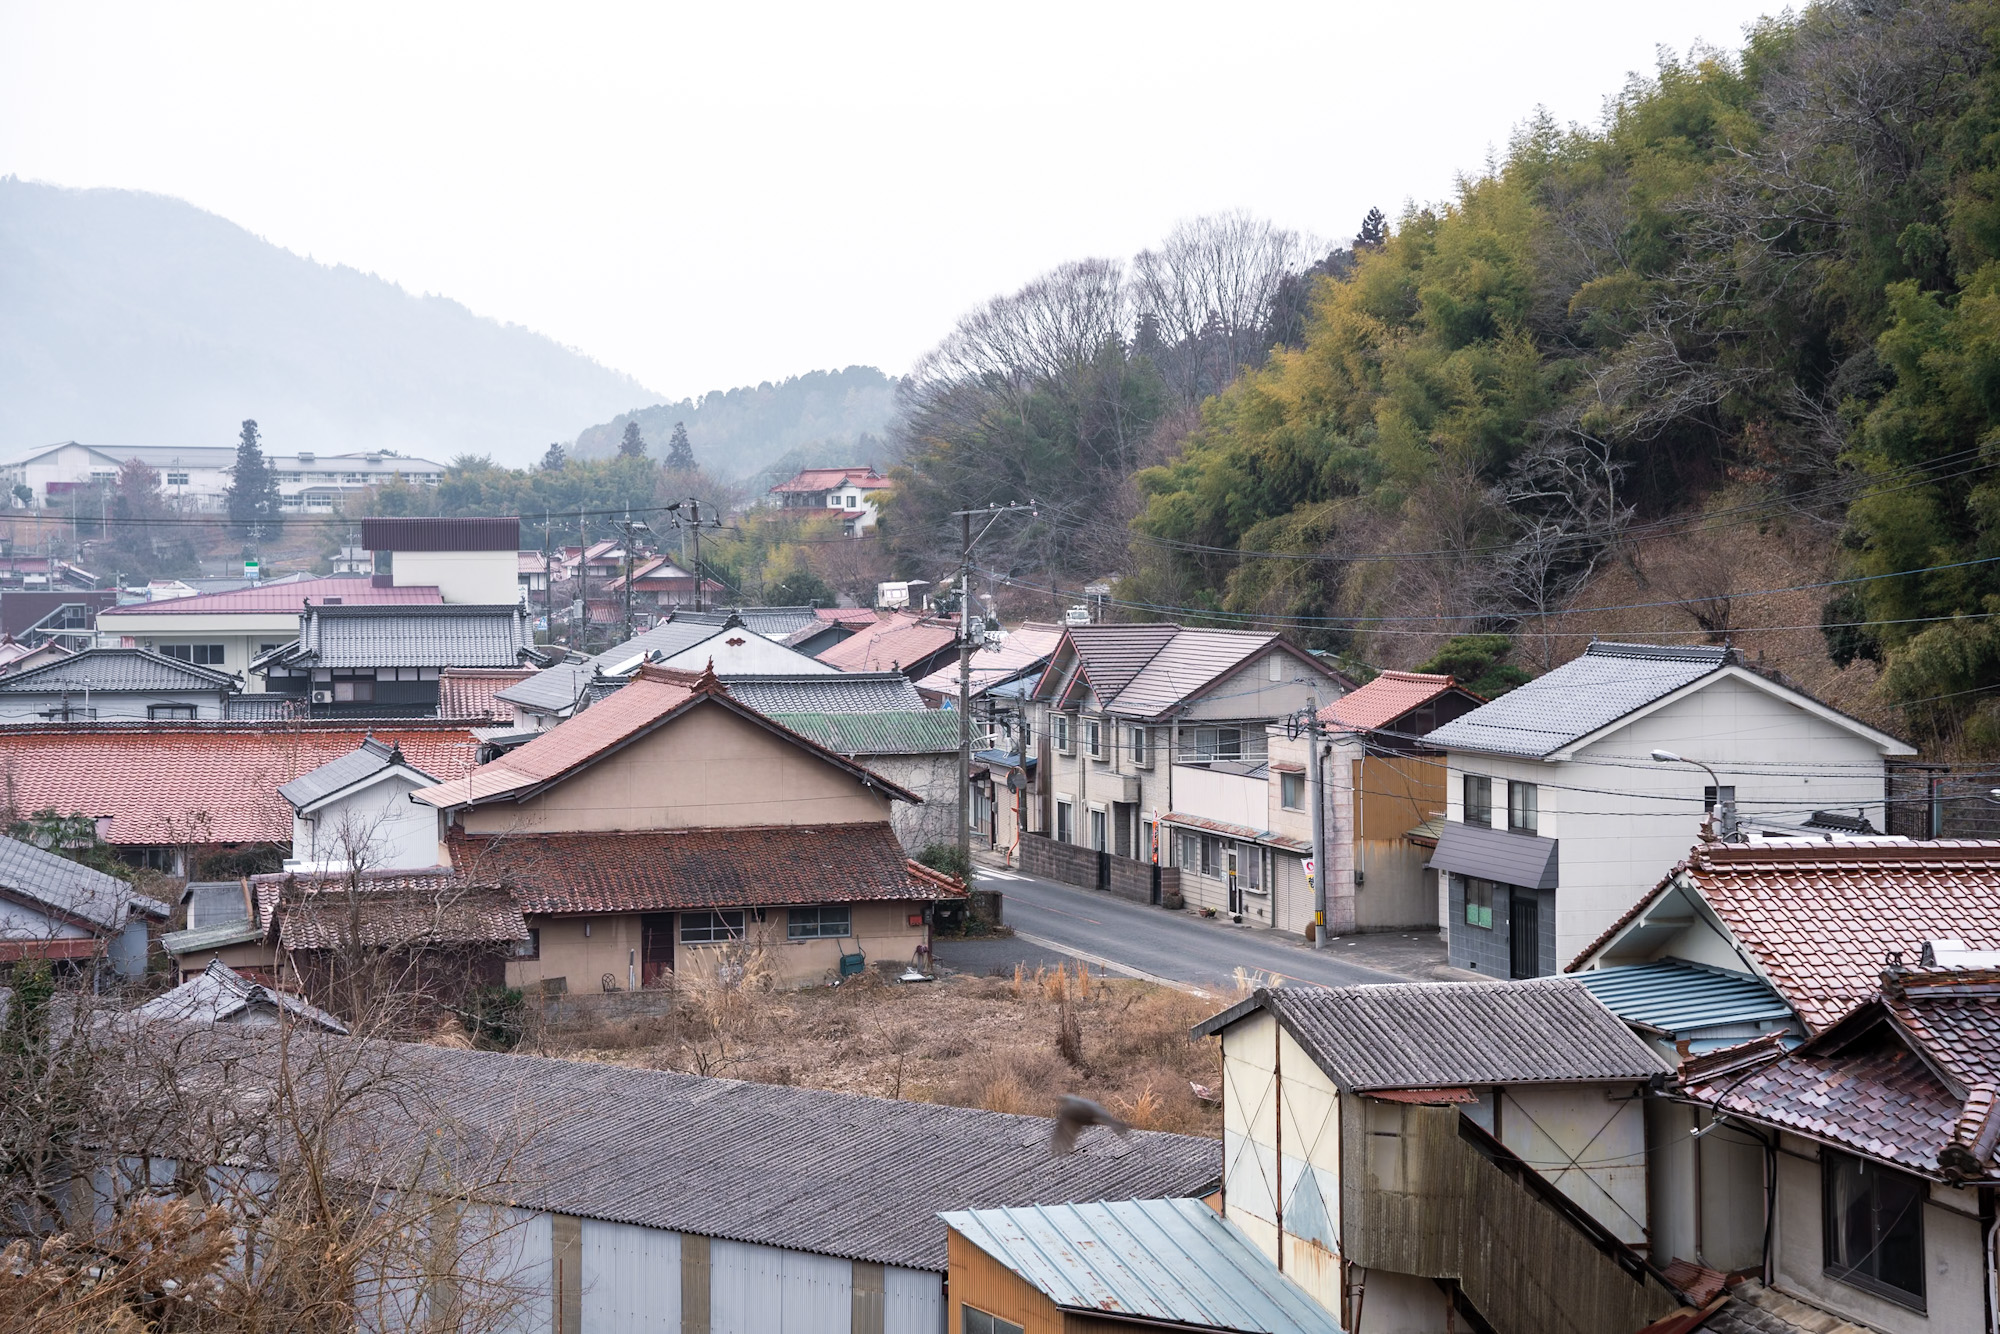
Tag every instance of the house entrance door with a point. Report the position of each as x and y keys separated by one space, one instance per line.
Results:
x=1229 y=873
x=656 y=947
x=1524 y=935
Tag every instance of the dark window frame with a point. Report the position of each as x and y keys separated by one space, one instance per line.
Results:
x=814 y=923
x=1479 y=895
x=972 y=1320
x=1524 y=808
x=1478 y=800
x=712 y=926
x=1909 y=1221
x=531 y=948
x=180 y=712
x=195 y=655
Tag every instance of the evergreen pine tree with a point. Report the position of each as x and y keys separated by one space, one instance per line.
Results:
x=553 y=460
x=633 y=446
x=252 y=496
x=680 y=452
x=1374 y=231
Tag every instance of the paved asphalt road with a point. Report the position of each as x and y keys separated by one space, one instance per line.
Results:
x=1051 y=920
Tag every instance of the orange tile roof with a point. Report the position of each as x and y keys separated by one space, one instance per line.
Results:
x=891 y=645
x=826 y=479
x=1820 y=918
x=467 y=692
x=1384 y=700
x=654 y=695
x=196 y=783
x=347 y=590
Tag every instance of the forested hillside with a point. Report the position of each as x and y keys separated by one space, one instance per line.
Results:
x=135 y=319
x=757 y=432
x=1763 y=295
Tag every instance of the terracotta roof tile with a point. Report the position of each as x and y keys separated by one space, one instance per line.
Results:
x=1820 y=918
x=467 y=692
x=891 y=645
x=352 y=590
x=673 y=869
x=178 y=783
x=1385 y=699
x=826 y=479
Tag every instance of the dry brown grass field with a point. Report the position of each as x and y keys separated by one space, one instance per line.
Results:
x=1008 y=1044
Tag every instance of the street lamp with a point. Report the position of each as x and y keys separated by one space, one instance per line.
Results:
x=1669 y=757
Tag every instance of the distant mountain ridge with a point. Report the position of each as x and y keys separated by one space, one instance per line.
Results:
x=821 y=418
x=131 y=318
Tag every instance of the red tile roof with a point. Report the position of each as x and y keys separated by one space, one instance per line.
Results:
x=1385 y=699
x=467 y=692
x=846 y=615
x=891 y=645
x=651 y=698
x=826 y=479
x=674 y=869
x=192 y=783
x=1819 y=918
x=1877 y=1099
x=350 y=590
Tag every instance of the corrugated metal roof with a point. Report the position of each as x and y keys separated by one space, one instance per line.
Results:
x=70 y=887
x=1449 y=1034
x=117 y=671
x=911 y=732
x=834 y=692
x=1682 y=999
x=214 y=936
x=371 y=757
x=1171 y=1260
x=1580 y=697
x=435 y=534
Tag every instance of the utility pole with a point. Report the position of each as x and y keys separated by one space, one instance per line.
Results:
x=966 y=541
x=581 y=632
x=1316 y=793
x=633 y=529
x=548 y=583
x=694 y=510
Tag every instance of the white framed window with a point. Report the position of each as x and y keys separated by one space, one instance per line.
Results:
x=1059 y=732
x=823 y=922
x=1141 y=755
x=711 y=928
x=1523 y=808
x=1218 y=743
x=1065 y=822
x=1292 y=791
x=1093 y=738
x=1100 y=829
x=177 y=479
x=1276 y=666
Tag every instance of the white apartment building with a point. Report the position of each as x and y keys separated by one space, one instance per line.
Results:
x=1559 y=817
x=196 y=477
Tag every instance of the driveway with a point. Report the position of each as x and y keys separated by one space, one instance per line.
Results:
x=1053 y=921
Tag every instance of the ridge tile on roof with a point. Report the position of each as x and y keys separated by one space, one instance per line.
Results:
x=1385 y=699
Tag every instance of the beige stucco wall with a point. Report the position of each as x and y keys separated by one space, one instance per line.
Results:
x=1953 y=1274
x=881 y=931
x=710 y=769
x=255 y=955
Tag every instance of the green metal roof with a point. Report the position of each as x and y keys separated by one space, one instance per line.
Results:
x=239 y=932
x=904 y=732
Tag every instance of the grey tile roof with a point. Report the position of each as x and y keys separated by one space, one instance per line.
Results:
x=450 y=635
x=1454 y=1034
x=1189 y=661
x=1175 y=1261
x=371 y=757
x=832 y=1173
x=256 y=708
x=844 y=692
x=772 y=622
x=220 y=993
x=908 y=732
x=1113 y=654
x=556 y=689
x=1580 y=697
x=117 y=670
x=69 y=887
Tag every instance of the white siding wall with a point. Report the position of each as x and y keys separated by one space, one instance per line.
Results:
x=631 y=1279
x=1624 y=822
x=108 y=708
x=482 y=578
x=764 y=1290
x=396 y=831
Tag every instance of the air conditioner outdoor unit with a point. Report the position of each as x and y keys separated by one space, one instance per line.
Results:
x=322 y=697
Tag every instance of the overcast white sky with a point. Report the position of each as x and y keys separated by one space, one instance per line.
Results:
x=713 y=195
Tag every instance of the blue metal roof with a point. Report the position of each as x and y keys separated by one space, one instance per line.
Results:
x=1683 y=999
x=1166 y=1260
